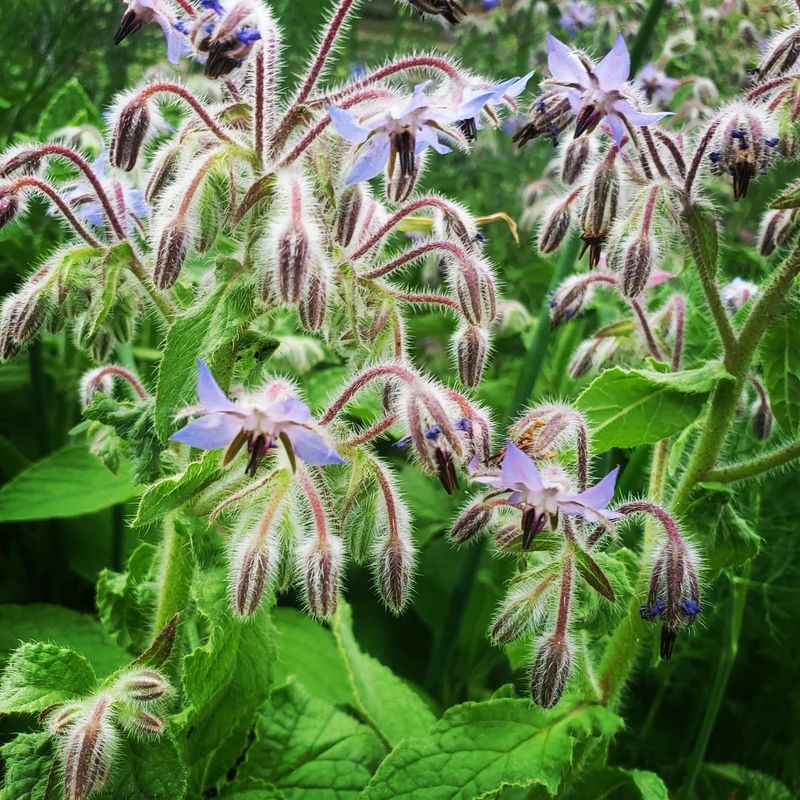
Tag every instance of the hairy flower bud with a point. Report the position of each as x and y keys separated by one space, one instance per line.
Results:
x=474 y=288
x=451 y=10
x=761 y=413
x=254 y=568
x=583 y=359
x=141 y=723
x=550 y=114
x=551 y=670
x=600 y=202
x=776 y=229
x=348 y=212
x=143 y=686
x=162 y=170
x=471 y=347
x=472 y=521
x=455 y=223
x=576 y=156
x=569 y=299
x=9 y=206
x=523 y=609
x=554 y=227
x=60 y=720
x=319 y=563
x=780 y=55
x=173 y=247
x=545 y=428
x=394 y=568
x=88 y=750
x=129 y=134
x=314 y=305
x=637 y=267
x=21 y=317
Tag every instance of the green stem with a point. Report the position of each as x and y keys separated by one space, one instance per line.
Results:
x=177 y=568
x=723 y=673
x=159 y=300
x=755 y=466
x=645 y=33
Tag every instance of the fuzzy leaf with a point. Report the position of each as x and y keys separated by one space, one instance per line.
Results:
x=704 y=237
x=309 y=750
x=591 y=572
x=28 y=761
x=39 y=675
x=477 y=748
x=383 y=699
x=628 y=407
x=780 y=357
x=70 y=482
x=620 y=784
x=149 y=769
x=790 y=197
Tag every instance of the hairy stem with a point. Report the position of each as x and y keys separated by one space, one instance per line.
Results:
x=755 y=466
x=177 y=568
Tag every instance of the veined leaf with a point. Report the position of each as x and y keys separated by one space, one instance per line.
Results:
x=780 y=357
x=28 y=762
x=591 y=572
x=704 y=237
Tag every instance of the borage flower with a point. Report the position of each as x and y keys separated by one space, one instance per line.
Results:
x=141 y=12
x=657 y=86
x=402 y=132
x=260 y=419
x=477 y=100
x=600 y=92
x=576 y=16
x=544 y=496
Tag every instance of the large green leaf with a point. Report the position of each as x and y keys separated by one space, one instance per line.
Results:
x=28 y=760
x=309 y=750
x=389 y=704
x=780 y=357
x=615 y=783
x=68 y=483
x=149 y=769
x=209 y=330
x=477 y=748
x=628 y=407
x=39 y=675
x=64 y=627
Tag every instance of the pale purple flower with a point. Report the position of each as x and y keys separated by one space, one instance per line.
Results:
x=141 y=12
x=598 y=92
x=656 y=85
x=576 y=16
x=542 y=497
x=260 y=419
x=403 y=131
x=476 y=100
x=737 y=293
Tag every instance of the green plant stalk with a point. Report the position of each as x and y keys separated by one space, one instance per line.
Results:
x=755 y=466
x=159 y=300
x=721 y=677
x=645 y=33
x=177 y=568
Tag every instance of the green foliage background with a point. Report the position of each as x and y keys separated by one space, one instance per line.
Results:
x=68 y=528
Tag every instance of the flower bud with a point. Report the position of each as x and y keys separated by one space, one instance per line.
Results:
x=21 y=317
x=102 y=345
x=507 y=536
x=736 y=294
x=88 y=751
x=569 y=299
x=551 y=670
x=143 y=686
x=474 y=289
x=348 y=212
x=394 y=568
x=780 y=55
x=173 y=247
x=546 y=428
x=254 y=568
x=583 y=359
x=576 y=156
x=472 y=521
x=600 y=202
x=60 y=720
x=776 y=230
x=292 y=263
x=762 y=419
x=471 y=347
x=554 y=227
x=319 y=562
x=522 y=610
x=452 y=10
x=455 y=223
x=637 y=267
x=162 y=170
x=550 y=114
x=143 y=724
x=23 y=161
x=9 y=206
x=314 y=305
x=129 y=134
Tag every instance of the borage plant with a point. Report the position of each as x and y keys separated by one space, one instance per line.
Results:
x=236 y=224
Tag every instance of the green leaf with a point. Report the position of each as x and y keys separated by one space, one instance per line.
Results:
x=780 y=357
x=225 y=681
x=704 y=237
x=39 y=675
x=70 y=482
x=149 y=769
x=41 y=622
x=69 y=106
x=307 y=650
x=171 y=493
x=477 y=748
x=790 y=197
x=628 y=407
x=591 y=572
x=209 y=330
x=385 y=701
x=111 y=267
x=615 y=783
x=756 y=785
x=309 y=750
x=28 y=761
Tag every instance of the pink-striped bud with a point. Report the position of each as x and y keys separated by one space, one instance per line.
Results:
x=507 y=537
x=637 y=267
x=162 y=170
x=348 y=213
x=474 y=519
x=776 y=230
x=129 y=135
x=576 y=156
x=88 y=751
x=24 y=161
x=523 y=609
x=142 y=724
x=319 y=563
x=600 y=204
x=546 y=428
x=551 y=670
x=394 y=569
x=21 y=317
x=471 y=345
x=173 y=247
x=474 y=289
x=554 y=227
x=9 y=206
x=314 y=305
x=583 y=359
x=144 y=686
x=456 y=223
x=60 y=720
x=292 y=262
x=254 y=569
x=762 y=418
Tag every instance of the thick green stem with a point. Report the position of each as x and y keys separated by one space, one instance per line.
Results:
x=755 y=466
x=645 y=33
x=159 y=300
x=177 y=568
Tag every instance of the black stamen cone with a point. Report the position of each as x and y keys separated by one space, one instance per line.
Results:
x=532 y=523
x=594 y=244
x=129 y=24
x=406 y=145
x=257 y=447
x=469 y=128
x=446 y=470
x=742 y=175
x=219 y=63
x=586 y=121
x=668 y=637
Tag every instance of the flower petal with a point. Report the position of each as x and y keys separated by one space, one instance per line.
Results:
x=311 y=447
x=289 y=409
x=614 y=69
x=519 y=470
x=427 y=137
x=372 y=160
x=617 y=127
x=515 y=89
x=346 y=125
x=564 y=66
x=211 y=397
x=601 y=494
x=636 y=117
x=209 y=432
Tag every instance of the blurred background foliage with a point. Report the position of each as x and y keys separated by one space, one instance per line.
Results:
x=61 y=70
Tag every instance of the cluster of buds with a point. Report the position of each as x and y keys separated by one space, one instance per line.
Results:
x=89 y=731
x=451 y=10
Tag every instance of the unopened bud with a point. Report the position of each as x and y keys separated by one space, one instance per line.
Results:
x=173 y=247
x=162 y=170
x=507 y=536
x=9 y=206
x=142 y=723
x=637 y=267
x=23 y=162
x=394 y=567
x=545 y=428
x=254 y=568
x=102 y=345
x=576 y=156
x=314 y=306
x=550 y=114
x=95 y=380
x=144 y=686
x=88 y=751
x=292 y=263
x=522 y=610
x=551 y=670
x=762 y=419
x=319 y=562
x=600 y=203
x=776 y=229
x=471 y=522
x=456 y=223
x=781 y=54
x=583 y=359
x=21 y=316
x=129 y=134
x=569 y=299
x=471 y=347
x=554 y=227
x=474 y=288
x=348 y=213
x=59 y=722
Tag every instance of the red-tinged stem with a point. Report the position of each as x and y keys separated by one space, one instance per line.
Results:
x=126 y=375
x=317 y=509
x=62 y=205
x=674 y=151
x=702 y=146
x=410 y=63
x=164 y=87
x=564 y=598
x=188 y=7
x=258 y=101
x=652 y=346
x=417 y=252
x=191 y=189
x=661 y=515
x=651 y=146
x=426 y=299
x=680 y=325
x=370 y=433
x=770 y=85
x=388 y=497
